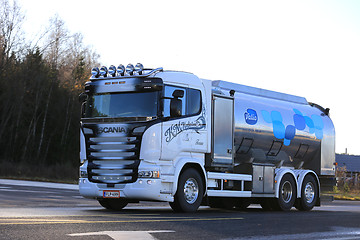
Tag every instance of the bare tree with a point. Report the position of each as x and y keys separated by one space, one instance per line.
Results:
x=71 y=62
x=11 y=35
x=54 y=51
x=11 y=45
x=75 y=72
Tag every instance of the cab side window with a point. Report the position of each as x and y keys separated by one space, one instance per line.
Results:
x=172 y=97
x=180 y=102
x=193 y=101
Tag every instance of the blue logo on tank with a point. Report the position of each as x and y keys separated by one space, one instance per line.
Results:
x=314 y=123
x=251 y=116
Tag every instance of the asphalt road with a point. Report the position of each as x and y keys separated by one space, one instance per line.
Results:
x=30 y=210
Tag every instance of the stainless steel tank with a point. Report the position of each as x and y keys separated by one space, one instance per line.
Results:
x=280 y=129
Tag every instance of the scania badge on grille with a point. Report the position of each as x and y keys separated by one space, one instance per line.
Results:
x=111 y=130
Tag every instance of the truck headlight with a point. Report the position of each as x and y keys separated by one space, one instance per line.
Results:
x=149 y=174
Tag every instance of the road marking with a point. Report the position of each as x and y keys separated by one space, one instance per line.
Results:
x=25 y=191
x=119 y=235
x=336 y=234
x=78 y=197
x=39 y=184
x=31 y=221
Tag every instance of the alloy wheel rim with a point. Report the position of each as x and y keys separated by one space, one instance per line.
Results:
x=309 y=192
x=286 y=192
x=191 y=190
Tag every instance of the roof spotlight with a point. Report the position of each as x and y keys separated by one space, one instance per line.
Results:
x=121 y=70
x=103 y=71
x=95 y=72
x=112 y=70
x=130 y=69
x=139 y=68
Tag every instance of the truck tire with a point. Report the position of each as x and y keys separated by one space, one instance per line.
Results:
x=287 y=194
x=189 y=192
x=113 y=204
x=309 y=194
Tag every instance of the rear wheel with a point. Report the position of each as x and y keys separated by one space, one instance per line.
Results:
x=113 y=204
x=309 y=194
x=189 y=192
x=287 y=194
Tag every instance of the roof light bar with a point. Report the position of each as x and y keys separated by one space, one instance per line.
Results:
x=122 y=72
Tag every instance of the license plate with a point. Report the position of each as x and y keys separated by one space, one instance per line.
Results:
x=111 y=194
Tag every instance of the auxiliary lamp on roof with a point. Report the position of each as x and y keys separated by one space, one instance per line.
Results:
x=130 y=69
x=103 y=71
x=112 y=70
x=119 y=71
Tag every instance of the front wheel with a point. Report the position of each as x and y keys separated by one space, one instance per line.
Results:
x=189 y=192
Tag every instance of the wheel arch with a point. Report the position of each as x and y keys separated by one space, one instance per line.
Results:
x=279 y=174
x=184 y=164
x=301 y=174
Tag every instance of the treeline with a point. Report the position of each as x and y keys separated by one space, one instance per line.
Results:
x=40 y=81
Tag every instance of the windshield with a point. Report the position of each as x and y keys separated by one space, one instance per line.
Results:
x=119 y=105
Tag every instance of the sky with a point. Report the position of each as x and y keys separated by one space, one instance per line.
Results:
x=305 y=48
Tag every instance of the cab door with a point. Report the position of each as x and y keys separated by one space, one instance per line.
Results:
x=184 y=125
x=175 y=138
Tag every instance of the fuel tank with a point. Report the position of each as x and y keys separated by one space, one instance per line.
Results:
x=279 y=129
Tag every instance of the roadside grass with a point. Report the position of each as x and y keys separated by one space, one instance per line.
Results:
x=59 y=173
x=348 y=185
x=352 y=195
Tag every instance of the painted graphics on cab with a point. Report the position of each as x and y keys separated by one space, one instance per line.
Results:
x=182 y=125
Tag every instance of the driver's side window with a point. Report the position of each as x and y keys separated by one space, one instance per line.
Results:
x=174 y=101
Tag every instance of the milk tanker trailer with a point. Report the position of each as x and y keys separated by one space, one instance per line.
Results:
x=150 y=134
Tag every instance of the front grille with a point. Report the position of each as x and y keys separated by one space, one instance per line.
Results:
x=112 y=159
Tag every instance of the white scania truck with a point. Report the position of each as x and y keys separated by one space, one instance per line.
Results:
x=150 y=134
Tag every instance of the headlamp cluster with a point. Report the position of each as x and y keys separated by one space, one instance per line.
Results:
x=119 y=71
x=149 y=174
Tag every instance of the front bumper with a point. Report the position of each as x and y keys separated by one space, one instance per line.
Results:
x=142 y=189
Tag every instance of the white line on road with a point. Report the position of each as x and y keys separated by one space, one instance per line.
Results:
x=336 y=234
x=133 y=235
x=39 y=184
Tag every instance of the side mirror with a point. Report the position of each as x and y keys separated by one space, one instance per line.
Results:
x=176 y=103
x=82 y=97
x=175 y=107
x=178 y=93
